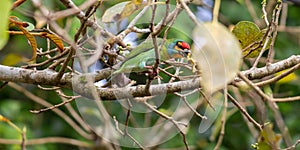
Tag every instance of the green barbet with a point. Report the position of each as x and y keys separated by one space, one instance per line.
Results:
x=142 y=58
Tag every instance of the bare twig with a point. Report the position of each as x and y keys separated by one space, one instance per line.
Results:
x=244 y=112
x=223 y=120
x=49 y=140
x=127 y=134
x=265 y=96
x=176 y=124
x=293 y=147
x=54 y=106
x=183 y=97
x=48 y=89
x=265 y=14
x=3 y=85
x=64 y=66
x=277 y=78
x=275 y=17
x=17 y=3
x=216 y=9
x=57 y=111
x=280 y=123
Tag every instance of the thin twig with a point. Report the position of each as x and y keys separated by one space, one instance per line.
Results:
x=265 y=14
x=244 y=112
x=48 y=89
x=126 y=133
x=206 y=99
x=48 y=140
x=176 y=124
x=216 y=9
x=223 y=120
x=183 y=97
x=190 y=13
x=23 y=142
x=57 y=111
x=293 y=146
x=3 y=85
x=277 y=78
x=265 y=96
x=275 y=17
x=280 y=123
x=66 y=51
x=65 y=64
x=54 y=106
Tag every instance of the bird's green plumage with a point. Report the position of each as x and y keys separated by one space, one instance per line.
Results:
x=144 y=55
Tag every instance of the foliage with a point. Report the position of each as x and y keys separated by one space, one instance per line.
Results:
x=238 y=90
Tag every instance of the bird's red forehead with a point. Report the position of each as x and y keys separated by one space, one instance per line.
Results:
x=185 y=45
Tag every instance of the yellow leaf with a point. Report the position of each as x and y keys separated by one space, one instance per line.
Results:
x=138 y=2
x=22 y=26
x=11 y=59
x=55 y=39
x=166 y=111
x=268 y=139
x=286 y=79
x=31 y=40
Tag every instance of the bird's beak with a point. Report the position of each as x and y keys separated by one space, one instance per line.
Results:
x=186 y=52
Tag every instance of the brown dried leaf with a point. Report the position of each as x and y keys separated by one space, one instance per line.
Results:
x=22 y=25
x=55 y=39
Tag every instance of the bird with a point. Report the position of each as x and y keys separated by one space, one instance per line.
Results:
x=142 y=58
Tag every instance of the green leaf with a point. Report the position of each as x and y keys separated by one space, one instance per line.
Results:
x=30 y=26
x=5 y=9
x=218 y=54
x=268 y=139
x=248 y=34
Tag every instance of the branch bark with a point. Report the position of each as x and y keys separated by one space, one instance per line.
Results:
x=47 y=77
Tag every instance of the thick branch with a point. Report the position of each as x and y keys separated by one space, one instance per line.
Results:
x=258 y=73
x=47 y=77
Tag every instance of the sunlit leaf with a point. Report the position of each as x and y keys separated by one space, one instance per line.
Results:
x=5 y=8
x=249 y=36
x=30 y=26
x=31 y=40
x=123 y=10
x=166 y=111
x=11 y=59
x=55 y=39
x=22 y=26
x=286 y=79
x=218 y=54
x=138 y=2
x=268 y=139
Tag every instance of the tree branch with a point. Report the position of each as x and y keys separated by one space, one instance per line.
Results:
x=47 y=77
